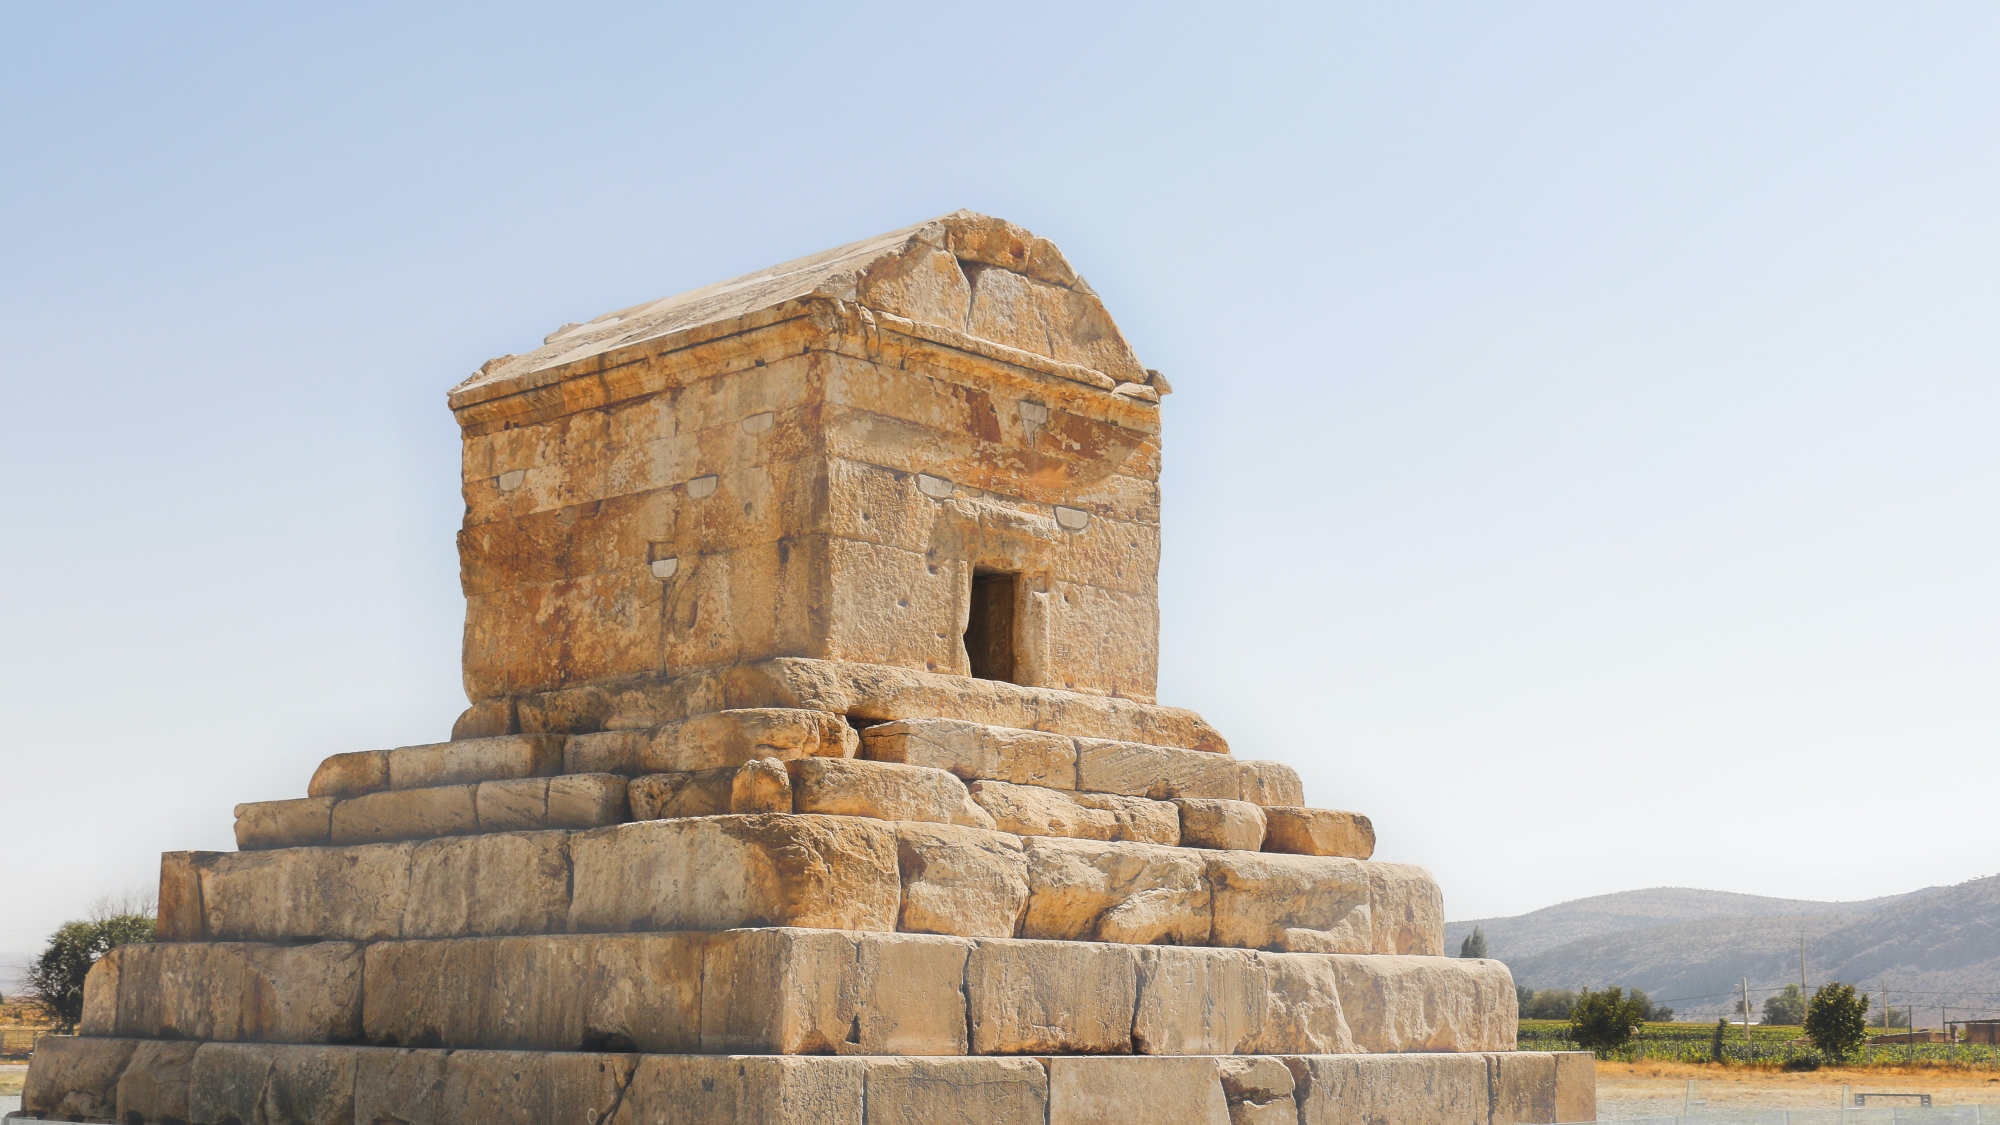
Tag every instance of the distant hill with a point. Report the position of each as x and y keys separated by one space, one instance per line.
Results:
x=1676 y=942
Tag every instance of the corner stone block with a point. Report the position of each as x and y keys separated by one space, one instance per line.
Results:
x=1041 y=997
x=1427 y=1003
x=100 y=995
x=723 y=872
x=157 y=1082
x=804 y=992
x=351 y=775
x=1259 y=1090
x=1083 y=890
x=1297 y=904
x=1407 y=909
x=1169 y=1091
x=1392 y=1089
x=762 y=786
x=744 y=1090
x=239 y=992
x=1301 y=831
x=504 y=883
x=1576 y=1086
x=1031 y=810
x=179 y=917
x=726 y=739
x=532 y=1087
x=1210 y=822
x=975 y=751
x=284 y=824
x=1524 y=1089
x=75 y=1078
x=957 y=1092
x=273 y=1085
x=1164 y=772
x=476 y=759
x=882 y=790
x=296 y=894
x=966 y=882
x=406 y=814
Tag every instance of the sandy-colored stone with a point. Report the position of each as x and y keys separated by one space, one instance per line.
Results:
x=475 y=759
x=179 y=917
x=723 y=739
x=975 y=751
x=1211 y=822
x=1231 y=1001
x=351 y=775
x=664 y=796
x=763 y=785
x=232 y=992
x=790 y=991
x=1308 y=904
x=1393 y=1089
x=1031 y=810
x=1029 y=997
x=963 y=881
x=1407 y=910
x=882 y=790
x=1524 y=1089
x=530 y=1088
x=297 y=894
x=273 y=1085
x=155 y=1084
x=1427 y=1003
x=1259 y=1090
x=1086 y=890
x=406 y=814
x=1164 y=772
x=284 y=824
x=75 y=1078
x=1298 y=831
x=552 y=993
x=956 y=1092
x=579 y=801
x=1171 y=1091
x=1576 y=1086
x=722 y=872
x=743 y=1090
x=504 y=883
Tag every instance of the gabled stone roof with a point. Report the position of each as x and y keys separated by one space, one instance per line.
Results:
x=967 y=273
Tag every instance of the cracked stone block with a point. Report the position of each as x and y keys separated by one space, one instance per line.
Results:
x=882 y=790
x=975 y=751
x=284 y=824
x=229 y=992
x=1298 y=831
x=971 y=1091
x=1086 y=890
x=962 y=881
x=788 y=991
x=1211 y=822
x=1031 y=997
x=1031 y=810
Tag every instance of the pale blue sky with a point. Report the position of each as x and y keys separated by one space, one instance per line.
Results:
x=1582 y=459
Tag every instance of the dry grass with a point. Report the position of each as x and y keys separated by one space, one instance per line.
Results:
x=1658 y=1088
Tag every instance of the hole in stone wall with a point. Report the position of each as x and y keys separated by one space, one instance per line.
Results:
x=989 y=627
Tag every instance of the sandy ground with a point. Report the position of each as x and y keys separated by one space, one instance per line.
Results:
x=1648 y=1089
x=11 y=1077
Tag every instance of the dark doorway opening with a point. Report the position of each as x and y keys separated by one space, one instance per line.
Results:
x=989 y=628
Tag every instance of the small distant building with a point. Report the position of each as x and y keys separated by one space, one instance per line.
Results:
x=1982 y=1031
x=1907 y=1037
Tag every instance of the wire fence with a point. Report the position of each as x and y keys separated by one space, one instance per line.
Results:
x=1697 y=1044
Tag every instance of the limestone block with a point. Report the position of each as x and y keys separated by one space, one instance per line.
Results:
x=156 y=1082
x=530 y=1088
x=1211 y=822
x=1031 y=810
x=790 y=991
x=726 y=739
x=1576 y=1086
x=1051 y=998
x=100 y=996
x=722 y=872
x=1298 y=831
x=75 y=1079
x=406 y=814
x=353 y=894
x=503 y=883
x=237 y=992
x=663 y=796
x=742 y=1090
x=1309 y=904
x=179 y=917
x=475 y=759
x=963 y=881
x=399 y=1085
x=552 y=993
x=763 y=785
x=1392 y=1089
x=1397 y=1003
x=975 y=751
x=610 y=751
x=1259 y=1090
x=1171 y=1091
x=1228 y=1001
x=273 y=1085
x=882 y=790
x=1407 y=911
x=1164 y=772
x=1524 y=1088
x=970 y=815
x=1085 y=890
x=588 y=800
x=351 y=775
x=970 y=1091
x=284 y=824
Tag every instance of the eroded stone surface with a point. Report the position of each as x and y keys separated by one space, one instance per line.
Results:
x=1031 y=810
x=1299 y=831
x=1165 y=772
x=228 y=992
x=1084 y=890
x=1121 y=1091
x=1307 y=904
x=1036 y=998
x=963 y=881
x=284 y=824
x=975 y=751
x=882 y=790
x=1209 y=822
x=787 y=991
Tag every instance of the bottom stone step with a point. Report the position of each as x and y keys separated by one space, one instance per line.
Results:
x=150 y=1081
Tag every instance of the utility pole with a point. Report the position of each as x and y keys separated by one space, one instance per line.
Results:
x=1885 y=1006
x=1802 y=966
x=1746 y=1009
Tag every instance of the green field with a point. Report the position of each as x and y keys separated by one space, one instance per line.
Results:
x=1692 y=1042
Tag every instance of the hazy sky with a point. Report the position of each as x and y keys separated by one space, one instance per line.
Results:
x=1582 y=459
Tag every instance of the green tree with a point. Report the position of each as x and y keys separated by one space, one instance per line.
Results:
x=55 y=979
x=1474 y=944
x=1550 y=1004
x=1649 y=1011
x=1605 y=1021
x=1715 y=1044
x=1524 y=998
x=1787 y=1008
x=1898 y=1017
x=1837 y=1021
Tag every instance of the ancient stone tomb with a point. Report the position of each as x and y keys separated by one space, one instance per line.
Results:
x=813 y=773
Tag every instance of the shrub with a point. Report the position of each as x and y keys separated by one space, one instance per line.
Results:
x=55 y=979
x=1715 y=1045
x=1837 y=1021
x=1474 y=944
x=1605 y=1021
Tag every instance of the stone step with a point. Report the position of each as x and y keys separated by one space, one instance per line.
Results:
x=128 y=1080
x=443 y=763
x=590 y=800
x=818 y=871
x=799 y=991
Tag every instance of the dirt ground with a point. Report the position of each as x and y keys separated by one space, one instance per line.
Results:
x=11 y=1077
x=1652 y=1089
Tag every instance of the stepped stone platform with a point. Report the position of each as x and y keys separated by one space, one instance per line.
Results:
x=813 y=773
